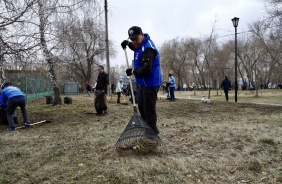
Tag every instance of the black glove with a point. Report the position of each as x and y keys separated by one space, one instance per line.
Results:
x=129 y=72
x=124 y=44
x=131 y=46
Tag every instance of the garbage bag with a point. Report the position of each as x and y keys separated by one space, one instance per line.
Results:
x=67 y=100
x=49 y=100
x=100 y=102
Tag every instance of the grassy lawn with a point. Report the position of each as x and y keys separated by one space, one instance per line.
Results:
x=219 y=142
x=264 y=96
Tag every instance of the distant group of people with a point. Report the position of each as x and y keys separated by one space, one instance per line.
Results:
x=125 y=89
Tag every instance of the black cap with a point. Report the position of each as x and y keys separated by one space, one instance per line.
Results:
x=5 y=84
x=134 y=32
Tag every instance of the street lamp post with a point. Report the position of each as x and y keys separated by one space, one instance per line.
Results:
x=235 y=21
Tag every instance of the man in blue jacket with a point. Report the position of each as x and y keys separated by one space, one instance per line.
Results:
x=15 y=98
x=147 y=71
x=226 y=85
x=171 y=81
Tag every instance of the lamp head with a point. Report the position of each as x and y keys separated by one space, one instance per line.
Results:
x=235 y=21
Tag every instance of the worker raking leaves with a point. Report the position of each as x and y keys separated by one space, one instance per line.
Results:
x=147 y=71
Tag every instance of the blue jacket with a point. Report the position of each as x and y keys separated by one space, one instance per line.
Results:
x=8 y=93
x=171 y=81
x=154 y=78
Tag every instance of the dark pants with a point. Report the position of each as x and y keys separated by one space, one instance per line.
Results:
x=172 y=89
x=118 y=99
x=135 y=96
x=147 y=98
x=89 y=93
x=226 y=93
x=12 y=105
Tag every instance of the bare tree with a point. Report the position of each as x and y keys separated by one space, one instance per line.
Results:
x=195 y=48
x=209 y=46
x=274 y=9
x=270 y=41
x=175 y=58
x=13 y=41
x=45 y=16
x=249 y=54
x=84 y=46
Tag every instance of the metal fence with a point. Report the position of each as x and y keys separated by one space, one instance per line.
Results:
x=71 y=88
x=33 y=85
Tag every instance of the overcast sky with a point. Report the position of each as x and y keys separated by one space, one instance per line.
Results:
x=167 y=19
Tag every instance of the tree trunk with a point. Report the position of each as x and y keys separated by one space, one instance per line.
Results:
x=256 y=85
x=193 y=70
x=2 y=76
x=47 y=56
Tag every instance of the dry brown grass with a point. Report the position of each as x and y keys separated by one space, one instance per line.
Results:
x=220 y=142
x=264 y=96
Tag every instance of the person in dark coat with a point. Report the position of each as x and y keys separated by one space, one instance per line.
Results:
x=88 y=89
x=102 y=85
x=226 y=85
x=113 y=88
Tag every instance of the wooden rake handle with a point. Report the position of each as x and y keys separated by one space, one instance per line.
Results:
x=131 y=89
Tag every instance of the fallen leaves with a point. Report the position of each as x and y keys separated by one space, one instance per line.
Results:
x=244 y=181
x=164 y=125
x=77 y=175
x=124 y=174
x=136 y=147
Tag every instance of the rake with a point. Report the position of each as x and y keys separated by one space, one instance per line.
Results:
x=137 y=132
x=32 y=124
